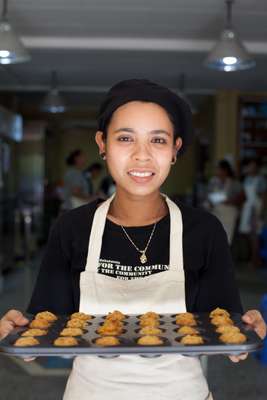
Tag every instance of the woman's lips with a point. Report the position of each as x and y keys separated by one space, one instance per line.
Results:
x=141 y=176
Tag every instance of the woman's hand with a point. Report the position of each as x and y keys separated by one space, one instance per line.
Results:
x=10 y=320
x=254 y=319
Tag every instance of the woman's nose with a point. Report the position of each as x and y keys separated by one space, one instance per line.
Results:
x=142 y=153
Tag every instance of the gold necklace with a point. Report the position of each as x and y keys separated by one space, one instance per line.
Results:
x=143 y=257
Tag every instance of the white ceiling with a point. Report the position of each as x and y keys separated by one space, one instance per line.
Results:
x=94 y=43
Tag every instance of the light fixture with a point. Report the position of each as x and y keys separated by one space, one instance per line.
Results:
x=53 y=102
x=229 y=54
x=182 y=93
x=11 y=48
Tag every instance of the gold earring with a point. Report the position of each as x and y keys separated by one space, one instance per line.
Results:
x=174 y=159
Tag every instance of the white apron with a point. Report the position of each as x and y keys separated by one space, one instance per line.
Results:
x=168 y=377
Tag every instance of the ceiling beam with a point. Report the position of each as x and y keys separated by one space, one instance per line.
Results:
x=134 y=44
x=85 y=89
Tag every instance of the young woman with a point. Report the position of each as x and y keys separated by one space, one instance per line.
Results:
x=137 y=251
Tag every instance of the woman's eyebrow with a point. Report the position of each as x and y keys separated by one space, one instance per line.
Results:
x=160 y=131
x=124 y=130
x=155 y=131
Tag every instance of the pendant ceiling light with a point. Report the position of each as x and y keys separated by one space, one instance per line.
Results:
x=53 y=102
x=229 y=54
x=182 y=93
x=11 y=48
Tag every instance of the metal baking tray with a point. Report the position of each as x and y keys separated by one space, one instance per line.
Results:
x=128 y=340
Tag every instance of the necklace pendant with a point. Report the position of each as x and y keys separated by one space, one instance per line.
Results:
x=143 y=258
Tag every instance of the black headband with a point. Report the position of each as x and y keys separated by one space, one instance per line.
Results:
x=145 y=90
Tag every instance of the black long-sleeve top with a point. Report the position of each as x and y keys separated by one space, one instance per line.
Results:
x=208 y=266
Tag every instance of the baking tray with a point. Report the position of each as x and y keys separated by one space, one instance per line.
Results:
x=128 y=345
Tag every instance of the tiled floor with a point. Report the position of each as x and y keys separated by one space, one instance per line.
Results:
x=34 y=381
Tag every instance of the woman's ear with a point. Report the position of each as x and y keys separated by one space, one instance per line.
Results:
x=100 y=142
x=177 y=146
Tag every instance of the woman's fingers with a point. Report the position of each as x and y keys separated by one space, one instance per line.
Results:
x=15 y=317
x=238 y=358
x=29 y=359
x=255 y=320
x=10 y=320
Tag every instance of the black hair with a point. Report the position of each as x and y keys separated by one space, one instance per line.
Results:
x=70 y=160
x=226 y=166
x=95 y=166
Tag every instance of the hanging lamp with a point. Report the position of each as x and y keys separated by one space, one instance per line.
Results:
x=53 y=102
x=11 y=48
x=229 y=54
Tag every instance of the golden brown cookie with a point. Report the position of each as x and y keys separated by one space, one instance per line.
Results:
x=47 y=315
x=150 y=330
x=192 y=339
x=34 y=332
x=81 y=315
x=187 y=319
x=227 y=328
x=219 y=311
x=150 y=340
x=66 y=341
x=40 y=323
x=187 y=330
x=115 y=315
x=110 y=328
x=76 y=323
x=149 y=314
x=221 y=320
x=26 y=341
x=233 y=338
x=107 y=341
x=149 y=322
x=71 y=332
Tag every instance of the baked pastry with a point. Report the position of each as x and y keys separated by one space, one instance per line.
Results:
x=149 y=322
x=71 y=332
x=81 y=315
x=219 y=311
x=115 y=315
x=40 y=323
x=110 y=328
x=150 y=330
x=107 y=341
x=26 y=341
x=34 y=332
x=149 y=314
x=47 y=315
x=221 y=320
x=233 y=338
x=149 y=340
x=76 y=323
x=227 y=328
x=187 y=330
x=192 y=339
x=187 y=319
x=66 y=341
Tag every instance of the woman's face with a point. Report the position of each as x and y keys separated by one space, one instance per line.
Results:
x=139 y=147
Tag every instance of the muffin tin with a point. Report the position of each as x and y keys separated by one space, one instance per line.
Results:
x=128 y=339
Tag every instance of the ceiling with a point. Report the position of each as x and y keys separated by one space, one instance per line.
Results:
x=93 y=44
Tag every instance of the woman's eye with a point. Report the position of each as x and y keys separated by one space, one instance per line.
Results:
x=124 y=139
x=159 y=140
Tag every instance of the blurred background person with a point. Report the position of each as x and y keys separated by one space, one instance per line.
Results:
x=252 y=213
x=76 y=191
x=225 y=195
x=91 y=174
